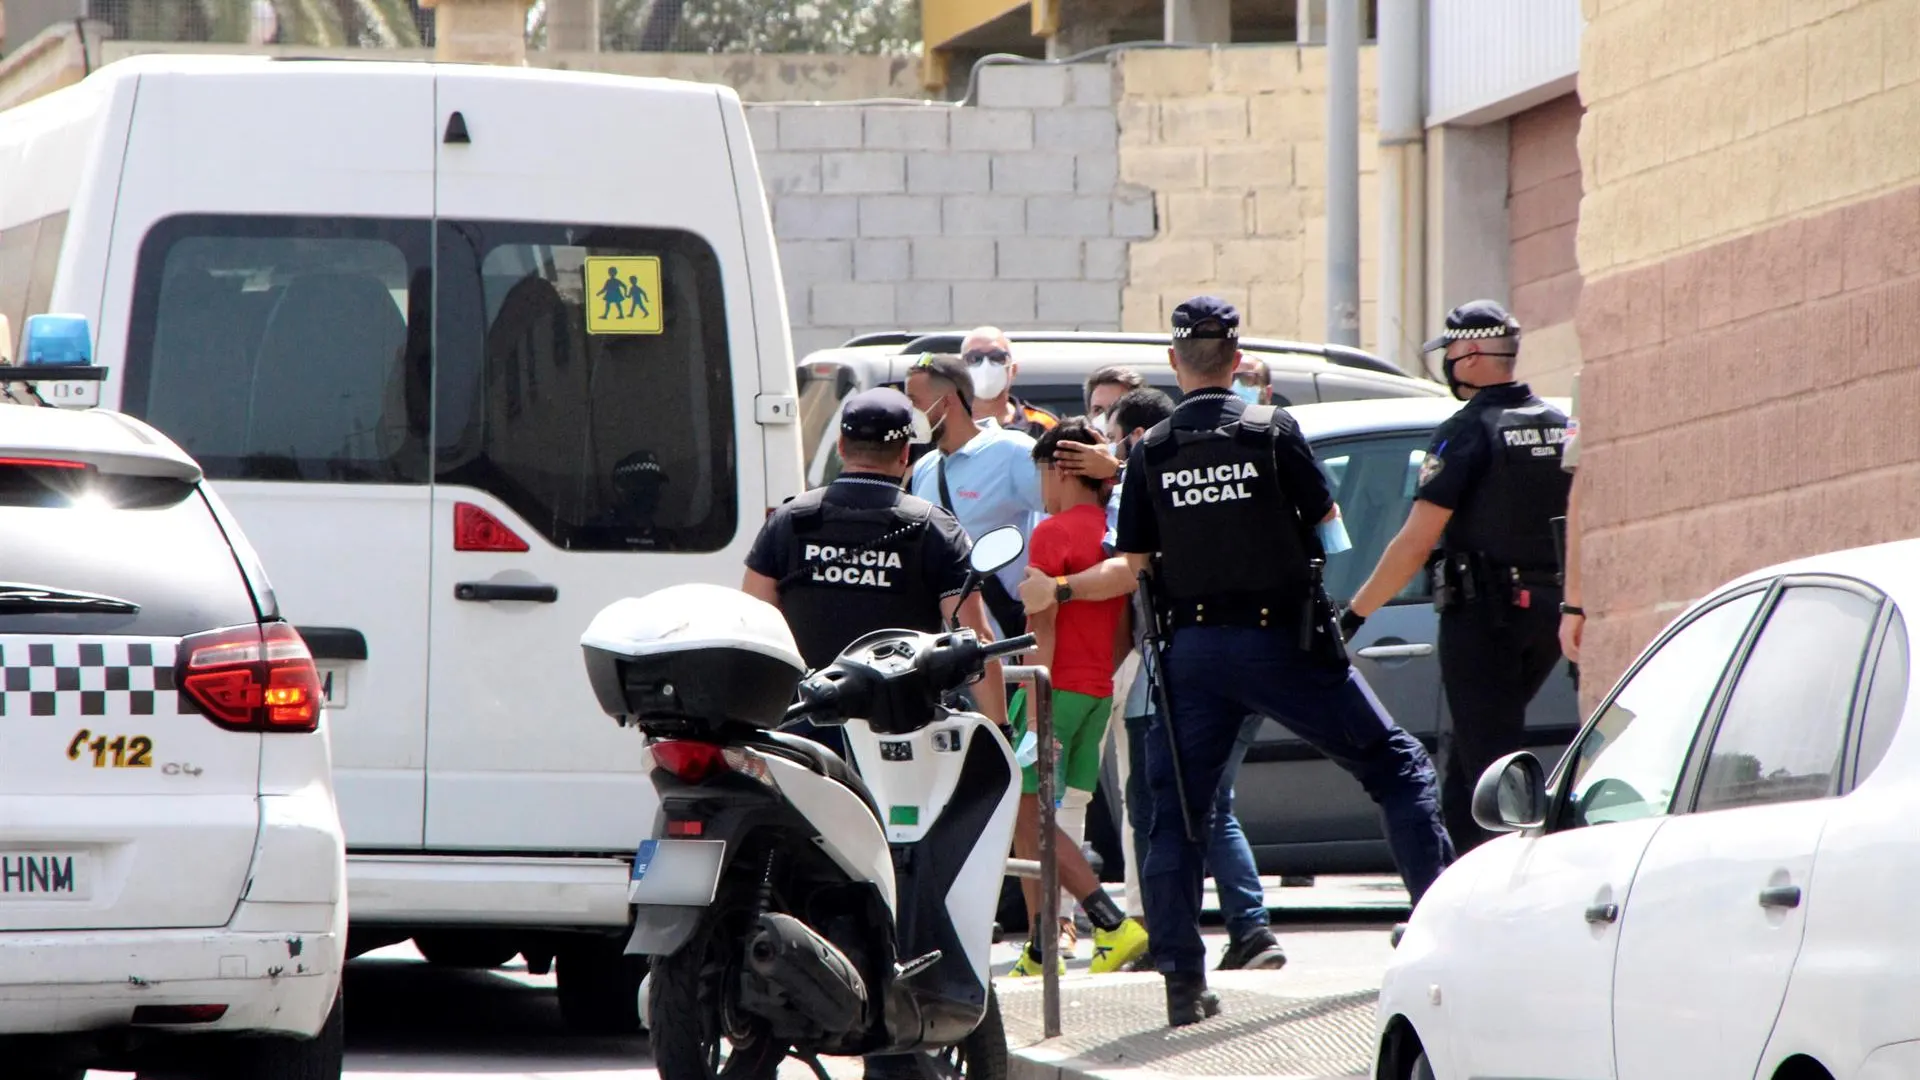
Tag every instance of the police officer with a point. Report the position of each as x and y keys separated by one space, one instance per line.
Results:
x=860 y=554
x=1229 y=503
x=1490 y=488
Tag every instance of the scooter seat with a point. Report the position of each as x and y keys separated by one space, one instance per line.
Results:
x=826 y=763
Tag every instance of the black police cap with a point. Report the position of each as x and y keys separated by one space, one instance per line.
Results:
x=1206 y=317
x=879 y=415
x=1475 y=319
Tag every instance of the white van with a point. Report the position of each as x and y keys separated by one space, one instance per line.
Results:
x=469 y=352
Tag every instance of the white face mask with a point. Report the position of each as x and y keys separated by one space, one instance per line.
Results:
x=989 y=379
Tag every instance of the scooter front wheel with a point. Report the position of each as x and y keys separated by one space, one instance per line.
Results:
x=982 y=1055
x=697 y=1029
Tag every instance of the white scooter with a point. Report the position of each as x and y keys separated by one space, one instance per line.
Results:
x=792 y=905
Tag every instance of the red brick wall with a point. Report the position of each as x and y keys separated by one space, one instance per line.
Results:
x=1746 y=404
x=1543 y=212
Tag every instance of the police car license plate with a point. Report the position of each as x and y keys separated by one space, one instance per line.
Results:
x=35 y=876
x=681 y=873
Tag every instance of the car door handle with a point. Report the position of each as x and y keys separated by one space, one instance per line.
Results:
x=1780 y=896
x=487 y=591
x=1603 y=913
x=1396 y=652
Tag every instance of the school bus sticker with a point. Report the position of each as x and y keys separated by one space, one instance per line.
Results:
x=623 y=295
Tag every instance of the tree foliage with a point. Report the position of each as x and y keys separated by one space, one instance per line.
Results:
x=363 y=23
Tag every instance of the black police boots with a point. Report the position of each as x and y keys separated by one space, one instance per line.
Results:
x=1189 y=1001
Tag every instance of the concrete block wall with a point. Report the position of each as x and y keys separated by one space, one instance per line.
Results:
x=1543 y=218
x=1009 y=212
x=1232 y=141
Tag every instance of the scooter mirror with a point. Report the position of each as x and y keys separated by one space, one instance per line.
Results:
x=997 y=549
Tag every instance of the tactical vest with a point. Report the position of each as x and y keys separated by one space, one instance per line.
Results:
x=854 y=571
x=1227 y=527
x=1507 y=517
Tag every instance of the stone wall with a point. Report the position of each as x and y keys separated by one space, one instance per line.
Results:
x=1232 y=141
x=1543 y=217
x=927 y=217
x=1750 y=319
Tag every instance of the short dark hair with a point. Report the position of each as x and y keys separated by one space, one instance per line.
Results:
x=1114 y=375
x=1206 y=356
x=949 y=371
x=1141 y=408
x=1074 y=429
x=866 y=452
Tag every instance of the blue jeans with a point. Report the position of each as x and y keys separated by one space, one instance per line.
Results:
x=1216 y=676
x=1236 y=879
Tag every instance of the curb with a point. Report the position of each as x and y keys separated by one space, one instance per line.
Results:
x=1038 y=1062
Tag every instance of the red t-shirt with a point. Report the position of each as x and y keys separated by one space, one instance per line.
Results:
x=1068 y=543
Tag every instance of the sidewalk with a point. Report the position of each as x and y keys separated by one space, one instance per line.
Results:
x=1312 y=1020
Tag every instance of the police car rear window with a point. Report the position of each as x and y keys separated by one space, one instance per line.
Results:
x=150 y=542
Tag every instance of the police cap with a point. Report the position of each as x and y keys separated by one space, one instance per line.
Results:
x=879 y=415
x=1473 y=320
x=1206 y=317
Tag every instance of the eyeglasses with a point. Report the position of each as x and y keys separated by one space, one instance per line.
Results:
x=997 y=357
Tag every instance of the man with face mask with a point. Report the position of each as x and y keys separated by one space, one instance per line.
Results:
x=989 y=358
x=1490 y=487
x=1253 y=383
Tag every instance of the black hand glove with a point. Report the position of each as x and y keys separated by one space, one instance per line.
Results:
x=1350 y=623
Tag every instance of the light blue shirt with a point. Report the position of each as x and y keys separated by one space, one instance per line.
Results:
x=994 y=482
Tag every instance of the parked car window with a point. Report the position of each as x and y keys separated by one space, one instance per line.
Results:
x=585 y=379
x=1785 y=723
x=1374 y=481
x=285 y=348
x=1628 y=763
x=1886 y=699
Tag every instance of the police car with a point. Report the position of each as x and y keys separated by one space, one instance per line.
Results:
x=1054 y=366
x=1717 y=880
x=172 y=866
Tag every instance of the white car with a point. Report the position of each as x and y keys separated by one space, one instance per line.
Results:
x=172 y=868
x=1717 y=881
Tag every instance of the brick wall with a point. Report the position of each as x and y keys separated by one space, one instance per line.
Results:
x=1232 y=142
x=1750 y=236
x=1543 y=214
x=1008 y=212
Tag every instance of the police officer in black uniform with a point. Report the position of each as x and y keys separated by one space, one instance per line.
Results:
x=860 y=554
x=1490 y=488
x=1228 y=496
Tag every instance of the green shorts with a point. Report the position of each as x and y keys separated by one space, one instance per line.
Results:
x=1079 y=726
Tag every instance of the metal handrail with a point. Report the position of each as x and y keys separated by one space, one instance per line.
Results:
x=1040 y=722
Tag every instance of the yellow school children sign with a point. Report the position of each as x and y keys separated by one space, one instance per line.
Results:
x=623 y=295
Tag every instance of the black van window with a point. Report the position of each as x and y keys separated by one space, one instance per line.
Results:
x=285 y=348
x=585 y=381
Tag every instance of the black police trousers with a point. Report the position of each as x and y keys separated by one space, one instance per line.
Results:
x=1494 y=658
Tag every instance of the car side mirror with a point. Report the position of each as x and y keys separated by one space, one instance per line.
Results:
x=1511 y=794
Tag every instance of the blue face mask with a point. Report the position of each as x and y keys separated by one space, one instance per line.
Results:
x=1248 y=394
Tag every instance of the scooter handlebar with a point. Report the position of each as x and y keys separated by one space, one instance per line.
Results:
x=1023 y=643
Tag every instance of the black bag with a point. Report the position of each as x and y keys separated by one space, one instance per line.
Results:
x=1005 y=607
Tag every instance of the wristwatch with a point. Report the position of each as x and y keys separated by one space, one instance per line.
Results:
x=1062 y=592
x=1572 y=609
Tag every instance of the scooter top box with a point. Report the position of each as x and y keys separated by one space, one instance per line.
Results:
x=692 y=654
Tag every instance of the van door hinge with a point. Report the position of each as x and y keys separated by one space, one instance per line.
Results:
x=776 y=409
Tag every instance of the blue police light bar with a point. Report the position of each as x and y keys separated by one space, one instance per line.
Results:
x=56 y=358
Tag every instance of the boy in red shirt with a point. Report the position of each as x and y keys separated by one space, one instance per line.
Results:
x=1076 y=644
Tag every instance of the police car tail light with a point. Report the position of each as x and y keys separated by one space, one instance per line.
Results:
x=476 y=530
x=252 y=678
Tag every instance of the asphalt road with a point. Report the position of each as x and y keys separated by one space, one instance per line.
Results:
x=407 y=1020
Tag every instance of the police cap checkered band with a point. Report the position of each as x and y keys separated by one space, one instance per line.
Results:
x=880 y=415
x=1475 y=320
x=1206 y=317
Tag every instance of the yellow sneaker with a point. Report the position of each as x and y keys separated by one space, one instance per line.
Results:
x=1113 y=950
x=1028 y=967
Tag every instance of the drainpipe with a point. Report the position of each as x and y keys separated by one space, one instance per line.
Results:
x=1343 y=172
x=1403 y=182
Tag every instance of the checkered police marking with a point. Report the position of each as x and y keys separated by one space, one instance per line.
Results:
x=1480 y=332
x=79 y=677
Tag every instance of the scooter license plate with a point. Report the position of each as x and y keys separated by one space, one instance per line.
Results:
x=681 y=873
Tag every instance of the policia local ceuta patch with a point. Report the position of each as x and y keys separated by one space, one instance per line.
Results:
x=832 y=565
x=1214 y=484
